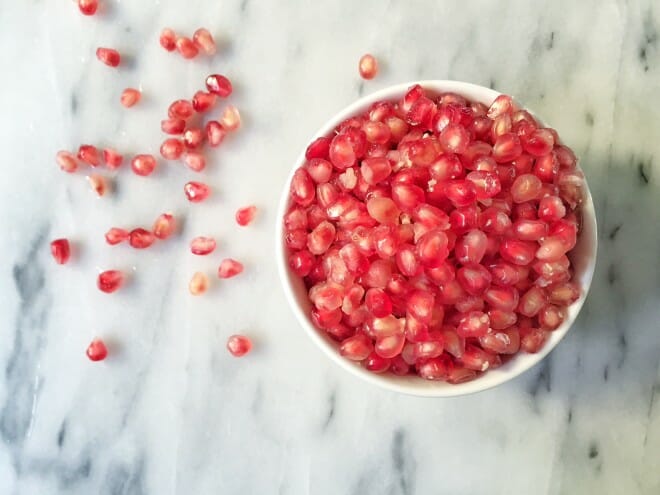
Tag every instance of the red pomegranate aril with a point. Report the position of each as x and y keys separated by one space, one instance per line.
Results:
x=231 y=118
x=471 y=247
x=565 y=231
x=377 y=133
x=203 y=101
x=141 y=238
x=318 y=149
x=356 y=348
x=502 y=342
x=202 y=246
x=383 y=210
x=172 y=149
x=302 y=262
x=473 y=324
x=164 y=226
x=532 y=339
x=180 y=109
x=526 y=187
x=390 y=346
x=168 y=39
x=173 y=125
x=428 y=349
x=378 y=303
x=97 y=350
x=196 y=192
x=204 y=41
x=296 y=239
x=499 y=319
x=502 y=298
x=500 y=106
x=551 y=249
x=215 y=133
x=60 y=249
x=108 y=56
x=199 y=284
x=407 y=197
x=193 y=138
x=368 y=66
x=112 y=158
x=219 y=85
x=320 y=239
x=398 y=366
x=461 y=375
x=546 y=168
x=239 y=345
x=474 y=278
x=406 y=260
x=245 y=215
x=486 y=184
x=518 y=252
x=539 y=143
x=375 y=170
x=494 y=221
x=116 y=236
x=326 y=319
x=186 y=47
x=461 y=192
x=143 y=164
x=319 y=170
x=110 y=281
x=420 y=305
x=378 y=274
x=507 y=148
x=432 y=248
x=454 y=138
x=377 y=364
x=551 y=316
x=551 y=208
x=532 y=301
x=341 y=152
x=477 y=359
x=530 y=230
x=229 y=268
x=88 y=7
x=66 y=161
x=500 y=126
x=563 y=293
x=435 y=369
x=89 y=154
x=98 y=184
x=565 y=157
x=352 y=300
x=195 y=161
x=130 y=97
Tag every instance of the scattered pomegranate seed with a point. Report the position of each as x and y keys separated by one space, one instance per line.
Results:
x=66 y=161
x=199 y=284
x=196 y=192
x=238 y=345
x=245 y=215
x=89 y=154
x=229 y=268
x=164 y=226
x=143 y=164
x=141 y=238
x=202 y=245
x=219 y=85
x=97 y=350
x=61 y=251
x=203 y=101
x=180 y=109
x=112 y=158
x=110 y=280
x=97 y=183
x=88 y=7
x=231 y=119
x=116 y=236
x=193 y=138
x=172 y=149
x=173 y=125
x=109 y=56
x=195 y=161
x=204 y=41
x=168 y=39
x=215 y=133
x=130 y=97
x=368 y=66
x=186 y=47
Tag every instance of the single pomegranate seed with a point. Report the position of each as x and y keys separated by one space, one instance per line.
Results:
x=408 y=197
x=327 y=296
x=186 y=47
x=173 y=125
x=375 y=170
x=112 y=158
x=196 y=192
x=500 y=320
x=539 y=143
x=461 y=192
x=432 y=248
x=501 y=105
x=219 y=85
x=180 y=109
x=474 y=324
x=110 y=280
x=130 y=97
x=434 y=369
x=230 y=119
x=239 y=345
x=195 y=161
x=341 y=152
x=88 y=7
x=378 y=303
x=368 y=66
x=530 y=230
x=89 y=154
x=215 y=133
x=386 y=325
x=61 y=251
x=477 y=359
x=193 y=137
x=377 y=132
x=420 y=305
x=171 y=149
x=202 y=245
x=66 y=161
x=474 y=278
x=486 y=184
x=526 y=187
x=551 y=208
x=320 y=170
x=502 y=298
x=143 y=164
x=356 y=348
x=245 y=215
x=563 y=293
x=428 y=349
x=168 y=39
x=551 y=316
x=302 y=262
x=199 y=284
x=141 y=238
x=507 y=148
x=518 y=252
x=320 y=239
x=204 y=41
x=164 y=226
x=390 y=346
x=229 y=268
x=532 y=301
x=326 y=319
x=302 y=188
x=377 y=364
x=203 y=101
x=383 y=210
x=503 y=342
x=116 y=236
x=97 y=350
x=97 y=183
x=551 y=249
x=454 y=138
x=108 y=56
x=532 y=339
x=471 y=248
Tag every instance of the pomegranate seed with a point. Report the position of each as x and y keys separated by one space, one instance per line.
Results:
x=454 y=138
x=461 y=192
x=471 y=247
x=229 y=268
x=110 y=280
x=168 y=39
x=551 y=316
x=88 y=7
x=499 y=320
x=219 y=85
x=532 y=301
x=130 y=97
x=518 y=252
x=432 y=248
x=500 y=106
x=368 y=66
x=199 y=284
x=383 y=210
x=474 y=278
x=195 y=161
x=61 y=251
x=97 y=350
x=563 y=293
x=507 y=148
x=239 y=345
x=97 y=183
x=203 y=101
x=434 y=369
x=356 y=348
x=116 y=236
x=108 y=56
x=477 y=359
x=461 y=375
x=503 y=342
x=196 y=192
x=502 y=298
x=143 y=164
x=474 y=324
x=546 y=168
x=320 y=170
x=173 y=125
x=378 y=275
x=202 y=245
x=341 y=152
x=428 y=349
x=320 y=239
x=204 y=41
x=551 y=208
x=375 y=170
x=193 y=138
x=302 y=188
x=532 y=339
x=171 y=149
x=230 y=119
x=302 y=262
x=420 y=305
x=245 y=215
x=407 y=197
x=215 y=133
x=551 y=249
x=89 y=154
x=539 y=143
x=112 y=158
x=378 y=303
x=327 y=296
x=377 y=364
x=186 y=47
x=66 y=161
x=390 y=346
x=526 y=187
x=326 y=319
x=141 y=238
x=486 y=184
x=530 y=230
x=180 y=109
x=377 y=133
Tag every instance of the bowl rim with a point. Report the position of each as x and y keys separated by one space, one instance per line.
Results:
x=417 y=386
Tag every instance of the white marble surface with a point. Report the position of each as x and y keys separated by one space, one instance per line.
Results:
x=170 y=411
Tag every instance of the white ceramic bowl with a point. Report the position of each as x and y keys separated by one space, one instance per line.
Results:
x=583 y=259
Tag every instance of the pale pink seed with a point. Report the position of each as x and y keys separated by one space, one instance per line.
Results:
x=526 y=187
x=532 y=301
x=180 y=109
x=171 y=149
x=375 y=170
x=320 y=239
x=383 y=210
x=98 y=184
x=186 y=47
x=230 y=119
x=202 y=246
x=239 y=345
x=551 y=208
x=530 y=230
x=215 y=133
x=229 y=268
x=551 y=249
x=66 y=161
x=368 y=66
x=551 y=316
x=390 y=346
x=420 y=305
x=164 y=226
x=130 y=97
x=204 y=41
x=115 y=236
x=356 y=348
x=471 y=247
x=199 y=284
x=319 y=170
x=245 y=215
x=501 y=105
x=378 y=275
x=194 y=161
x=112 y=158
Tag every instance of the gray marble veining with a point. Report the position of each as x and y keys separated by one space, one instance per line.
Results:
x=171 y=411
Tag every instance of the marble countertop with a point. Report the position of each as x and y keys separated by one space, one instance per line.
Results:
x=170 y=412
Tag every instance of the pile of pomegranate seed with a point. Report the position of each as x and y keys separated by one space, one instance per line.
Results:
x=432 y=234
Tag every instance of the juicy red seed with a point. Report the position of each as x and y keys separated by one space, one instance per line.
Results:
x=474 y=324
x=168 y=39
x=195 y=161
x=143 y=164
x=341 y=152
x=461 y=192
x=320 y=239
x=477 y=359
x=215 y=133
x=196 y=192
x=204 y=41
x=193 y=137
x=526 y=187
x=530 y=230
x=89 y=154
x=539 y=143
x=108 y=56
x=551 y=208
x=302 y=262
x=474 y=278
x=504 y=342
x=532 y=301
x=97 y=350
x=173 y=125
x=116 y=236
x=432 y=248
x=377 y=364
x=199 y=284
x=302 y=188
x=61 y=251
x=186 y=47
x=563 y=293
x=239 y=345
x=66 y=161
x=219 y=85
x=454 y=138
x=502 y=298
x=245 y=215
x=533 y=339
x=487 y=184
x=229 y=268
x=141 y=238
x=501 y=105
x=112 y=158
x=375 y=170
x=435 y=369
x=164 y=226
x=88 y=7
x=507 y=148
x=471 y=248
x=518 y=252
x=202 y=246
x=356 y=348
x=420 y=305
x=320 y=170
x=378 y=303
x=551 y=316
x=500 y=319
x=180 y=109
x=231 y=118
x=203 y=101
x=110 y=280
x=172 y=149
x=319 y=148
x=368 y=66
x=383 y=210
x=390 y=346
x=130 y=97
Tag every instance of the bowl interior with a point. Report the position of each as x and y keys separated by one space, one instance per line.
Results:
x=583 y=258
